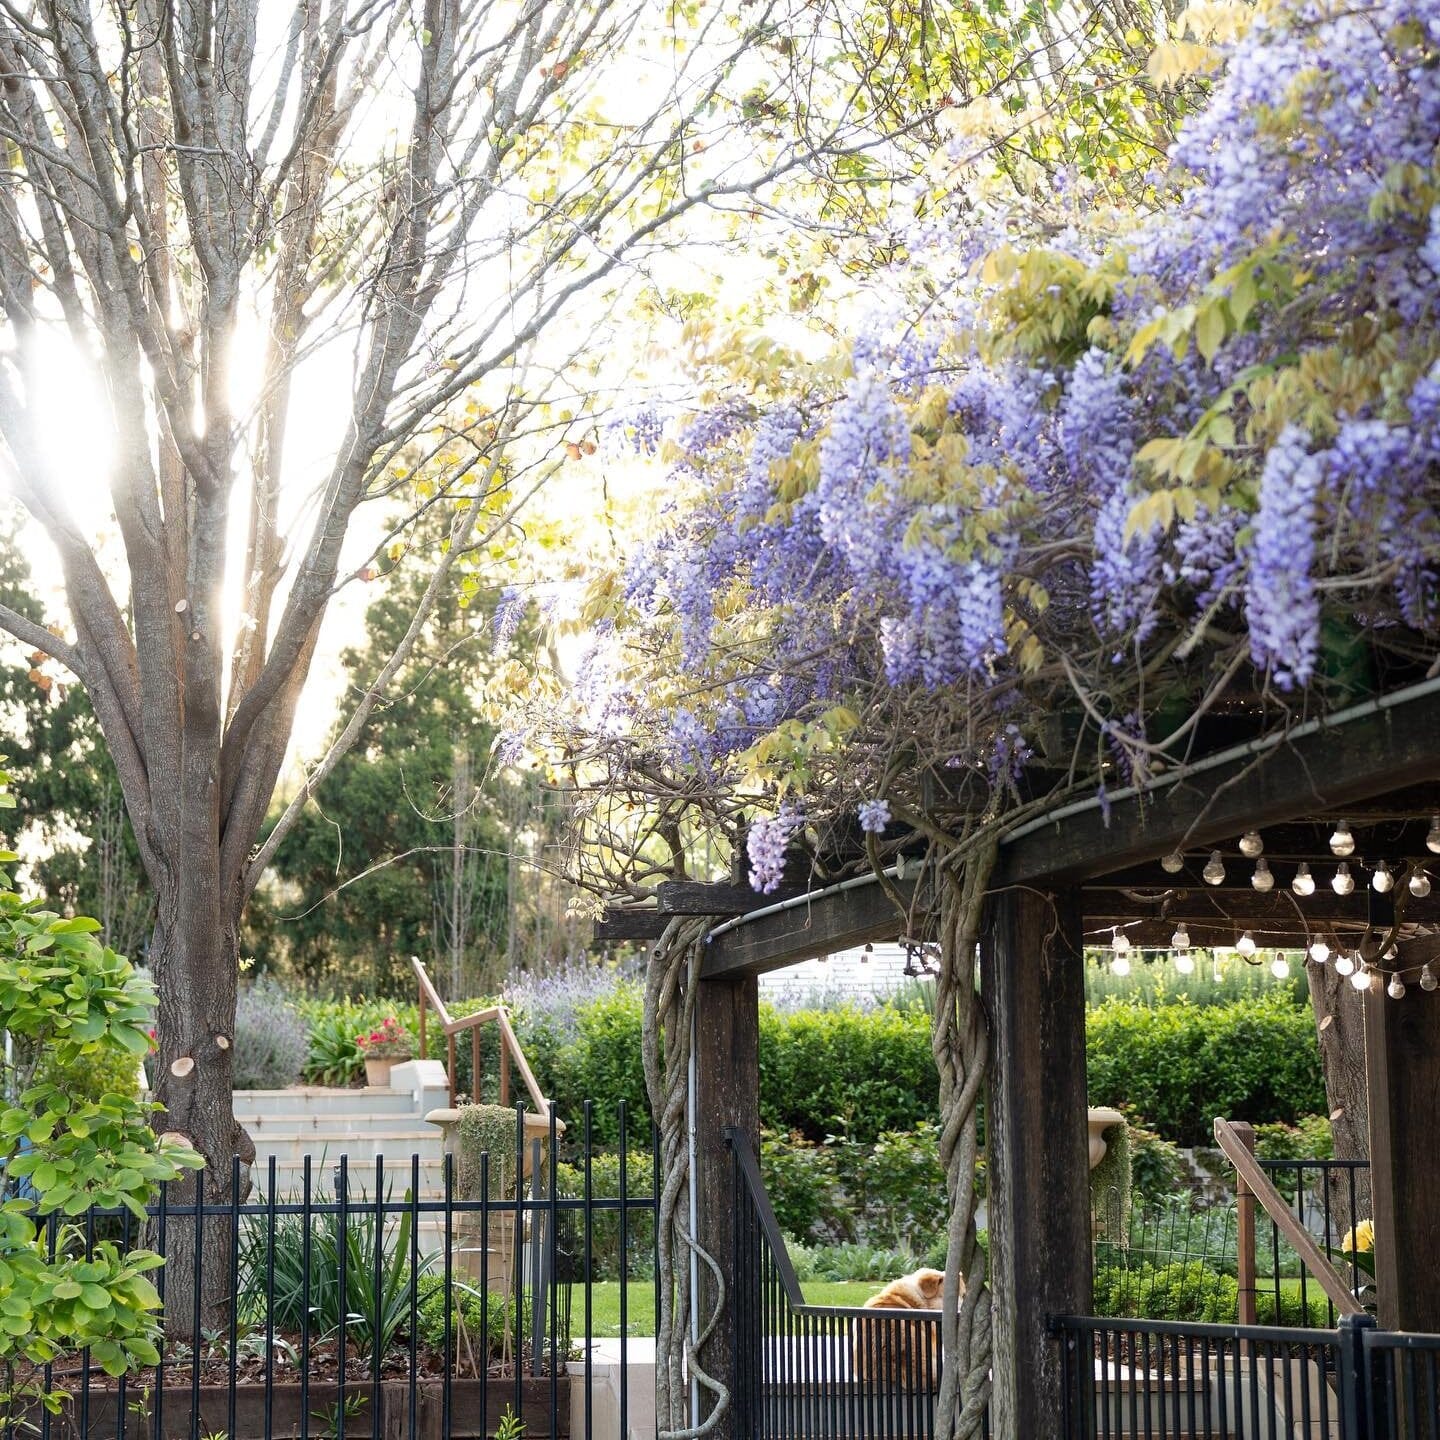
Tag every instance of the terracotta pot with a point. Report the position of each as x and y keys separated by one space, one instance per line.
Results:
x=377 y=1072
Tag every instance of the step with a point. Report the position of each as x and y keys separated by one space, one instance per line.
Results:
x=290 y=1175
x=335 y=1122
x=394 y=1146
x=320 y=1099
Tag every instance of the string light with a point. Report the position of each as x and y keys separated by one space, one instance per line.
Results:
x=1419 y=884
x=1344 y=965
x=1319 y=951
x=1304 y=882
x=1262 y=879
x=1362 y=979
x=1214 y=871
x=1251 y=844
x=1280 y=968
x=1173 y=863
x=1342 y=842
x=1396 y=988
x=1246 y=945
x=1428 y=982
x=1180 y=940
x=1344 y=881
x=1185 y=963
x=1382 y=880
x=1432 y=840
x=1120 y=965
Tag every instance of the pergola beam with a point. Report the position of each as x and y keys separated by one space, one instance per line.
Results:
x=1341 y=761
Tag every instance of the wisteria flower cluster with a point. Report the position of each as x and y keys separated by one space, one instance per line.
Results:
x=1090 y=476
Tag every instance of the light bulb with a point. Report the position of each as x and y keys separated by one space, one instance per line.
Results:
x=1180 y=940
x=1121 y=943
x=1427 y=980
x=1344 y=965
x=1246 y=944
x=1120 y=965
x=1344 y=881
x=1173 y=863
x=1304 y=882
x=1419 y=884
x=1262 y=879
x=1251 y=844
x=1280 y=968
x=1396 y=988
x=1382 y=879
x=1214 y=871
x=1361 y=980
x=1185 y=964
x=1342 y=842
x=1432 y=839
x=1319 y=951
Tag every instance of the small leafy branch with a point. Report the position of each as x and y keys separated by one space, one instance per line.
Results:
x=66 y=997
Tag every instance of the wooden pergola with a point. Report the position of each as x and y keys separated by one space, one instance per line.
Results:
x=1084 y=868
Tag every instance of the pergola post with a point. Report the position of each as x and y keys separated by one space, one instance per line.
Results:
x=1402 y=1057
x=1038 y=1169
x=727 y=1069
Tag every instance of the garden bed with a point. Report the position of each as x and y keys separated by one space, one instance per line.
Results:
x=287 y=1410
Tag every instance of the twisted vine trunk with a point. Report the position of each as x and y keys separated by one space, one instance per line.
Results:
x=961 y=1044
x=671 y=985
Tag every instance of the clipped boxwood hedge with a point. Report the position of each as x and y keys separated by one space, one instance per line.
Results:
x=860 y=1073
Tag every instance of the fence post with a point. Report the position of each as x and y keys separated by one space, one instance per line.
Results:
x=1245 y=1231
x=1351 y=1363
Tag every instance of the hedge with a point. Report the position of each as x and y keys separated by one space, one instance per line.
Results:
x=1182 y=1065
x=857 y=1074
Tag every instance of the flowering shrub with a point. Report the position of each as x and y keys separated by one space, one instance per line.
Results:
x=270 y=1038
x=1105 y=478
x=389 y=1040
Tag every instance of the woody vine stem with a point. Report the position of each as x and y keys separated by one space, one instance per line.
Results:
x=671 y=984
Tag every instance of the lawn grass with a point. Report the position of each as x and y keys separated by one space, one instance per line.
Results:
x=640 y=1304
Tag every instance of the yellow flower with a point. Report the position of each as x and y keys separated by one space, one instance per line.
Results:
x=1360 y=1240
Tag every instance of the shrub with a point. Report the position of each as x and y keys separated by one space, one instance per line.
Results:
x=605 y=1224
x=1308 y=1312
x=1182 y=1065
x=1157 y=1168
x=77 y=1003
x=479 y=1323
x=848 y=1071
x=1308 y=1139
x=802 y=1181
x=271 y=1038
x=314 y=1287
x=1188 y=1290
x=904 y=1188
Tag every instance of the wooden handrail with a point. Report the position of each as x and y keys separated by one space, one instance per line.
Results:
x=509 y=1044
x=1247 y=1168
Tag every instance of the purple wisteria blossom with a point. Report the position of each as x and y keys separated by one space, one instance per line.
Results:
x=766 y=843
x=874 y=815
x=1281 y=604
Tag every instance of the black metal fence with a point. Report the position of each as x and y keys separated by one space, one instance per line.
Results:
x=362 y=1306
x=818 y=1372
x=1173 y=1381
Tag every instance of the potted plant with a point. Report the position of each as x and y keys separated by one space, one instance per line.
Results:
x=385 y=1046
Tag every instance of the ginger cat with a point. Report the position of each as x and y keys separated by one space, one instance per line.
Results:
x=904 y=1354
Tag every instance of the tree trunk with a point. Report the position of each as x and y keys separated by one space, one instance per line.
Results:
x=1340 y=1025
x=196 y=966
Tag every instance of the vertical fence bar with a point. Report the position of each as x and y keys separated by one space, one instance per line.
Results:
x=231 y=1370
x=197 y=1340
x=377 y=1296
x=552 y=1294
x=307 y=1268
x=447 y=1181
x=271 y=1200
x=342 y=1248
x=625 y=1277
x=588 y=1270
x=162 y=1238
x=413 y=1396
